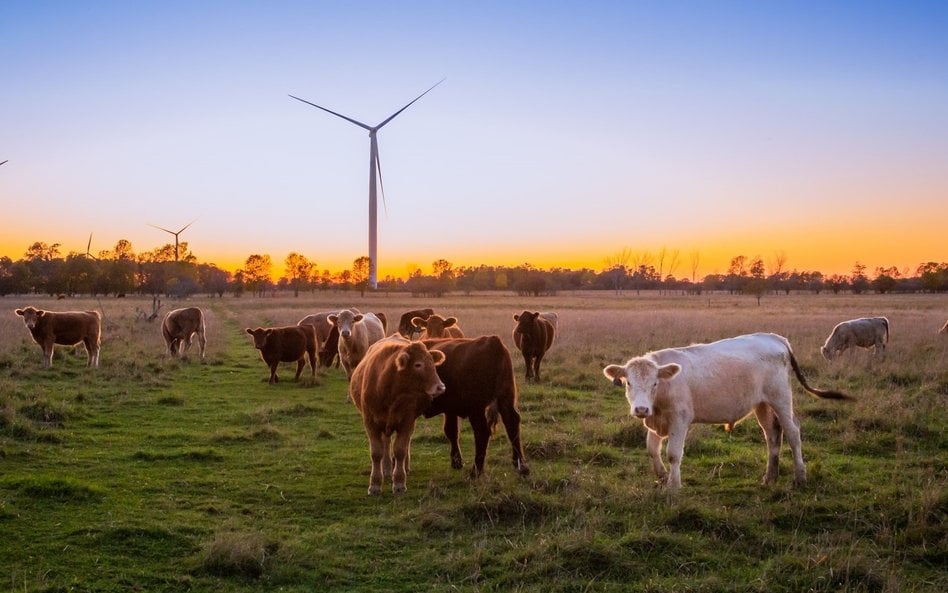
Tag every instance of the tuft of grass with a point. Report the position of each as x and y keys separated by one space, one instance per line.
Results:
x=55 y=488
x=233 y=554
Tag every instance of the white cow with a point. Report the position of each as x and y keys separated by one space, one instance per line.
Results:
x=717 y=383
x=865 y=332
x=357 y=331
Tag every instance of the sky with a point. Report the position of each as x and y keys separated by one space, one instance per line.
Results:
x=564 y=133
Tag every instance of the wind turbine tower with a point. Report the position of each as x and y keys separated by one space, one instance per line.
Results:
x=374 y=167
x=175 y=235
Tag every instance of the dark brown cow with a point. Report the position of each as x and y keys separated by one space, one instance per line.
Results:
x=393 y=385
x=179 y=326
x=405 y=326
x=479 y=383
x=533 y=336
x=327 y=337
x=437 y=326
x=285 y=344
x=66 y=328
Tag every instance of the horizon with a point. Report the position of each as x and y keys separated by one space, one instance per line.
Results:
x=562 y=136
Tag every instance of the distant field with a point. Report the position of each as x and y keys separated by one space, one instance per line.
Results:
x=150 y=474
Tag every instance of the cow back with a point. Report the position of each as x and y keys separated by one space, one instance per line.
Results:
x=476 y=372
x=67 y=328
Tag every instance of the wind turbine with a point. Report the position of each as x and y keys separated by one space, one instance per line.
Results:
x=181 y=230
x=88 y=247
x=374 y=167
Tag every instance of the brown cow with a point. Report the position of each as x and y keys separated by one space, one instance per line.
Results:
x=327 y=337
x=285 y=344
x=534 y=336
x=405 y=326
x=357 y=331
x=177 y=328
x=66 y=328
x=437 y=326
x=479 y=382
x=393 y=385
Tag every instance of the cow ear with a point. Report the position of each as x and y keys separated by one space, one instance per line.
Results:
x=19 y=312
x=249 y=331
x=358 y=317
x=450 y=321
x=516 y=317
x=438 y=357
x=332 y=318
x=267 y=331
x=401 y=361
x=419 y=322
x=615 y=373
x=40 y=313
x=668 y=371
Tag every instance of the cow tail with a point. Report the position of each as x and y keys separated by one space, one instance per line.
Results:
x=885 y=320
x=821 y=393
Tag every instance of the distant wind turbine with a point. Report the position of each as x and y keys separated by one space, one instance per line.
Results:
x=88 y=247
x=374 y=166
x=6 y=161
x=175 y=235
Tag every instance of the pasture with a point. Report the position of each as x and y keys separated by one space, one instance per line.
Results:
x=153 y=474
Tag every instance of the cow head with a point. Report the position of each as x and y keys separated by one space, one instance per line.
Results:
x=260 y=336
x=344 y=320
x=416 y=365
x=642 y=378
x=829 y=350
x=525 y=323
x=435 y=324
x=30 y=315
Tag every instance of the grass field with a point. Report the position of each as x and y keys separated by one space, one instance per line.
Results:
x=150 y=474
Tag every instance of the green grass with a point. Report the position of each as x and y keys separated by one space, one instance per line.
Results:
x=158 y=475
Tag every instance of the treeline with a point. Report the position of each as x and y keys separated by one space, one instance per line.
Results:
x=174 y=271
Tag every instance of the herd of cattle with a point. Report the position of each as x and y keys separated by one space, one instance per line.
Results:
x=429 y=368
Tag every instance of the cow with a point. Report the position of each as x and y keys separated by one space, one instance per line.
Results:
x=65 y=328
x=357 y=331
x=392 y=386
x=405 y=326
x=327 y=337
x=292 y=343
x=179 y=326
x=479 y=384
x=717 y=383
x=533 y=335
x=866 y=332
x=944 y=329
x=437 y=326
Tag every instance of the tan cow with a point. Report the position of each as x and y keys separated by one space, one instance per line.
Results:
x=436 y=326
x=393 y=385
x=357 y=331
x=66 y=328
x=865 y=332
x=327 y=336
x=717 y=383
x=179 y=326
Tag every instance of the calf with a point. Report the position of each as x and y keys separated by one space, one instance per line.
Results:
x=479 y=383
x=717 y=383
x=357 y=331
x=66 y=328
x=327 y=337
x=866 y=332
x=393 y=385
x=406 y=326
x=179 y=326
x=534 y=336
x=285 y=344
x=438 y=327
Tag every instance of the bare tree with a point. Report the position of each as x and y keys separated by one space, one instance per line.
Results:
x=695 y=260
x=618 y=264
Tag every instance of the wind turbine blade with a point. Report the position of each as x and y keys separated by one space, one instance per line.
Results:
x=186 y=226
x=378 y=167
x=89 y=244
x=348 y=119
x=7 y=161
x=391 y=117
x=161 y=229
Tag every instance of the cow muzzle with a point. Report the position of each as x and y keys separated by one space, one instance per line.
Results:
x=345 y=333
x=437 y=390
x=641 y=412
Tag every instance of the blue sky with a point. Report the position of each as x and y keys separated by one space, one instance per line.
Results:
x=564 y=132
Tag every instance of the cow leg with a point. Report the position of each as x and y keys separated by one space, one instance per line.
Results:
x=528 y=362
x=273 y=373
x=312 y=362
x=511 y=418
x=536 y=367
x=187 y=344
x=451 y=431
x=402 y=451
x=773 y=434
x=675 y=451
x=299 y=367
x=202 y=342
x=378 y=451
x=654 y=444
x=48 y=356
x=792 y=431
x=481 y=440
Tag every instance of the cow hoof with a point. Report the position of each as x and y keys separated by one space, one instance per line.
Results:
x=457 y=462
x=398 y=488
x=374 y=490
x=522 y=469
